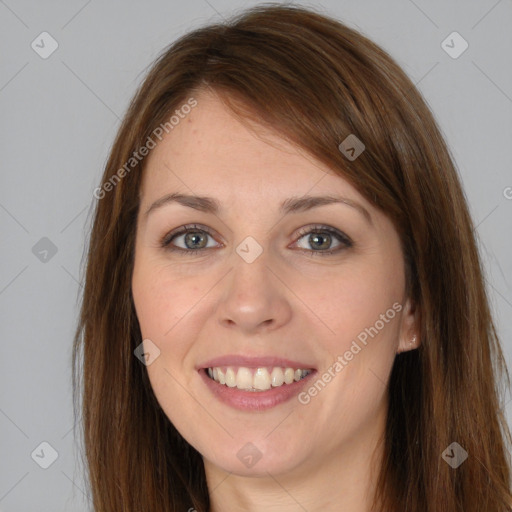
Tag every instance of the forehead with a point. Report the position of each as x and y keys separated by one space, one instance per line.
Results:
x=210 y=152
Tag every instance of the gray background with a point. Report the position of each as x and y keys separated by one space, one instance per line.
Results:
x=58 y=119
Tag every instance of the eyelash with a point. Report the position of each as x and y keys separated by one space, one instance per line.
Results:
x=165 y=242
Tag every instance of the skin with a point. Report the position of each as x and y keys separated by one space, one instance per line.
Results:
x=288 y=302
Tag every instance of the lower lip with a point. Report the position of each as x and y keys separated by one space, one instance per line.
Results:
x=254 y=400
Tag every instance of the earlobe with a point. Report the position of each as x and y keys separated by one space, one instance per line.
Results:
x=411 y=345
x=409 y=338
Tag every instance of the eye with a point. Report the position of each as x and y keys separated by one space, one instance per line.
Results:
x=194 y=240
x=320 y=239
x=193 y=237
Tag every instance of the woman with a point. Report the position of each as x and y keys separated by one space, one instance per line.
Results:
x=284 y=306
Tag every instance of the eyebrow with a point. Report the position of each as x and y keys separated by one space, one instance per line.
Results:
x=290 y=205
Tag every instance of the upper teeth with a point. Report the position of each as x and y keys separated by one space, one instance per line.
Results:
x=256 y=379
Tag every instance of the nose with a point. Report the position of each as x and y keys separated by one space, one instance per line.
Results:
x=254 y=298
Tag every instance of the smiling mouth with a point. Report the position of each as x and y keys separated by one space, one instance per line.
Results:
x=256 y=379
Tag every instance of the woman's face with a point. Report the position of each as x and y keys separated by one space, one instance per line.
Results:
x=267 y=288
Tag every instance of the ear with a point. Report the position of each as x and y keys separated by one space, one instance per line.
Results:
x=410 y=336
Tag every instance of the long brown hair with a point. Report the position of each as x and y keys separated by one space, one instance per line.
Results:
x=315 y=81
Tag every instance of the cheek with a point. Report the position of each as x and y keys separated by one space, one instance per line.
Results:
x=357 y=301
x=164 y=305
x=362 y=308
x=162 y=300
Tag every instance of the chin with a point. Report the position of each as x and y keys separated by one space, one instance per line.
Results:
x=256 y=459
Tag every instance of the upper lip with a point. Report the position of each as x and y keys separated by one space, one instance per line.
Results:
x=253 y=362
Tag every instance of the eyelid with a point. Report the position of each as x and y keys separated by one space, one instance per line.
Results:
x=183 y=230
x=322 y=228
x=345 y=241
